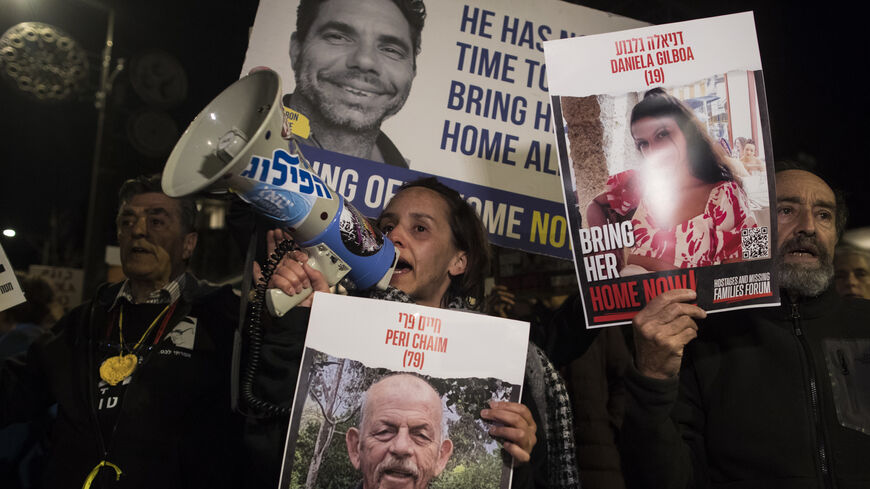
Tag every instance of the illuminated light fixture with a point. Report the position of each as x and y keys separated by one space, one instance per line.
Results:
x=43 y=61
x=9 y=233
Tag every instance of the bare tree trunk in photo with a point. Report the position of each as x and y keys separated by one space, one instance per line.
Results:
x=327 y=428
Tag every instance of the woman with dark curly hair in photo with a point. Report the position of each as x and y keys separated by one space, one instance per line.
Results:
x=686 y=208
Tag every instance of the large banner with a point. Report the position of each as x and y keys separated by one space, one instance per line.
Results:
x=476 y=113
x=379 y=378
x=667 y=166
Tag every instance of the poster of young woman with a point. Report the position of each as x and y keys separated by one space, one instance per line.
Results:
x=392 y=392
x=657 y=196
x=384 y=91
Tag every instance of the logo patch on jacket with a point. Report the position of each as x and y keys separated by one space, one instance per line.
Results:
x=183 y=334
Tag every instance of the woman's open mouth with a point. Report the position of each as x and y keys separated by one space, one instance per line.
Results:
x=402 y=267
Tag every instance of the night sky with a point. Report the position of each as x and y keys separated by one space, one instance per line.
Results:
x=812 y=58
x=48 y=148
x=812 y=54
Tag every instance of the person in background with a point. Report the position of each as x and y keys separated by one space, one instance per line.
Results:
x=852 y=272
x=22 y=324
x=140 y=373
x=738 y=147
x=23 y=445
x=749 y=157
x=759 y=397
x=593 y=363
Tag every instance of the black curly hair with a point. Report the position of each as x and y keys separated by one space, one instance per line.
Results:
x=706 y=159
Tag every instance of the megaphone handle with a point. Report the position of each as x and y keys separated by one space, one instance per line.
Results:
x=279 y=303
x=320 y=258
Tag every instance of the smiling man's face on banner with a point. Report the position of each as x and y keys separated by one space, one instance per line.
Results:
x=355 y=65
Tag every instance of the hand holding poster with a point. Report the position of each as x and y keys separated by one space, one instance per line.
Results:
x=366 y=358
x=10 y=292
x=657 y=196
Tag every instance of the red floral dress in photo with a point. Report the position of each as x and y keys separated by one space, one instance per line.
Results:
x=709 y=238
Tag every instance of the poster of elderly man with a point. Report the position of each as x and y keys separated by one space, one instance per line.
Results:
x=390 y=395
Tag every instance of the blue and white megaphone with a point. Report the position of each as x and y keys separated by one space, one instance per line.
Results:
x=235 y=144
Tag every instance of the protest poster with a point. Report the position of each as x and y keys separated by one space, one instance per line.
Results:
x=65 y=282
x=446 y=363
x=10 y=291
x=656 y=194
x=477 y=114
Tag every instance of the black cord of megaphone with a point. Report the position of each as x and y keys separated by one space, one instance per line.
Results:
x=255 y=335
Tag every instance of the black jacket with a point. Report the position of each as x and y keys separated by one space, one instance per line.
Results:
x=760 y=402
x=175 y=427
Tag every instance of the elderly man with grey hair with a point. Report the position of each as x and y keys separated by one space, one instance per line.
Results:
x=139 y=372
x=773 y=397
x=401 y=440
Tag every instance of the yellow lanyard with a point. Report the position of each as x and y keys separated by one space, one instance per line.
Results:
x=144 y=335
x=96 y=469
x=115 y=369
x=124 y=373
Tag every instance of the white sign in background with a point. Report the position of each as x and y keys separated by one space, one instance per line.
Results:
x=491 y=45
x=66 y=283
x=10 y=291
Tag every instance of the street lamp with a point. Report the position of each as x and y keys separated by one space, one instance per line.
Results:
x=94 y=255
x=49 y=65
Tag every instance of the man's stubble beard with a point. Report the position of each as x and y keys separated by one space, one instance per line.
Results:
x=805 y=280
x=338 y=114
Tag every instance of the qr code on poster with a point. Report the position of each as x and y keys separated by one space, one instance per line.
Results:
x=756 y=243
